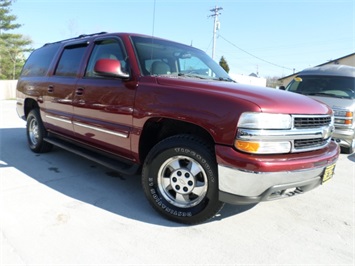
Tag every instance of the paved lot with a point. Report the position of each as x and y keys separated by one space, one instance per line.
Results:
x=60 y=209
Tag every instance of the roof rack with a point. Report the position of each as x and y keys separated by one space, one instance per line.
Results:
x=79 y=37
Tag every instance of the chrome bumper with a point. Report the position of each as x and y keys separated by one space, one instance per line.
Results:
x=240 y=187
x=344 y=137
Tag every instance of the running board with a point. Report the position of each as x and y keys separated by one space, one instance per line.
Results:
x=114 y=164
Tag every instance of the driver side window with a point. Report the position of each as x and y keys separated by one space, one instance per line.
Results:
x=107 y=49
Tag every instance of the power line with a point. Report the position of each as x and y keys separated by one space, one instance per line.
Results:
x=220 y=36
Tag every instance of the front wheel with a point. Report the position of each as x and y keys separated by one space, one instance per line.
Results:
x=180 y=180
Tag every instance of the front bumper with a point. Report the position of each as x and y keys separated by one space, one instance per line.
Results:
x=247 y=179
x=344 y=137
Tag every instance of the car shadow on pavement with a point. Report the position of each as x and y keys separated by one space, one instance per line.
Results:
x=352 y=157
x=86 y=181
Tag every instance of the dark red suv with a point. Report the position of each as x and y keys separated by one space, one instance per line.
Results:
x=166 y=110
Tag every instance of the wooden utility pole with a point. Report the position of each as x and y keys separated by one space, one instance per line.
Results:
x=216 y=26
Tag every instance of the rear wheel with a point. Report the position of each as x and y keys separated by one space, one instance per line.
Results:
x=36 y=133
x=180 y=180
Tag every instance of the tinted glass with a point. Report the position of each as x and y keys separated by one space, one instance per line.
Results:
x=106 y=49
x=331 y=86
x=39 y=61
x=70 y=60
x=161 y=57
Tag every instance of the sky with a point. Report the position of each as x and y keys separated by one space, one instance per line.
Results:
x=272 y=38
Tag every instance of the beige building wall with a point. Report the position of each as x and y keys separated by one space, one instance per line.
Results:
x=8 y=89
x=348 y=61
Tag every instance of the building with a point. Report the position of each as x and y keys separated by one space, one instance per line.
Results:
x=252 y=79
x=348 y=60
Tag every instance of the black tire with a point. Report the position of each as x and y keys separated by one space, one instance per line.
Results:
x=36 y=133
x=180 y=180
x=350 y=149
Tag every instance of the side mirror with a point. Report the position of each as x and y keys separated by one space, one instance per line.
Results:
x=110 y=67
x=282 y=88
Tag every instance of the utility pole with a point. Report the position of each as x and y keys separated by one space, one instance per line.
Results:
x=216 y=26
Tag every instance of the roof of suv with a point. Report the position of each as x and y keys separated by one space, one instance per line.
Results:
x=103 y=33
x=330 y=70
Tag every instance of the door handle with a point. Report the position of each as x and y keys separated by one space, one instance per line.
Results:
x=79 y=91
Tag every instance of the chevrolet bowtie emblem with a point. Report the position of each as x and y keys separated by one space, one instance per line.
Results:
x=327 y=132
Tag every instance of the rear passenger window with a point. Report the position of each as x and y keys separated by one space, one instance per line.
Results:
x=39 y=61
x=70 y=60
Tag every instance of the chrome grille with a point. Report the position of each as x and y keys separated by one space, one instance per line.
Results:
x=309 y=143
x=311 y=121
x=320 y=123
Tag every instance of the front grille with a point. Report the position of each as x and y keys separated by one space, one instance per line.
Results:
x=311 y=122
x=321 y=125
x=309 y=143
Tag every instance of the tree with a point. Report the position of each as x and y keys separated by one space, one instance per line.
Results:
x=223 y=63
x=12 y=46
x=273 y=82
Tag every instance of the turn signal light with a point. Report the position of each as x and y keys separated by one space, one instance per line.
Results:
x=247 y=146
x=263 y=147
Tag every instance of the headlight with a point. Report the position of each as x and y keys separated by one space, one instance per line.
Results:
x=252 y=122
x=265 y=121
x=343 y=117
x=343 y=113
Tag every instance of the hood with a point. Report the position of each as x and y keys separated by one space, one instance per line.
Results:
x=269 y=100
x=336 y=103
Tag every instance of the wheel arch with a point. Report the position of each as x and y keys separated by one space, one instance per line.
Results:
x=29 y=105
x=157 y=129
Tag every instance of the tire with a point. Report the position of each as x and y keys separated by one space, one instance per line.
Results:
x=36 y=133
x=350 y=149
x=180 y=180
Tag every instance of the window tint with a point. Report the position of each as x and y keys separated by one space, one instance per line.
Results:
x=106 y=49
x=150 y=62
x=331 y=86
x=39 y=61
x=193 y=65
x=70 y=60
x=179 y=59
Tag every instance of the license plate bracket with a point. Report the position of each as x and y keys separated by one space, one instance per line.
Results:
x=328 y=173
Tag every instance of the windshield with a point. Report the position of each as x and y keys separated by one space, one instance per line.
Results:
x=161 y=57
x=330 y=86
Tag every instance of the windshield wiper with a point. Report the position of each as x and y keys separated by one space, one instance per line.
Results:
x=191 y=76
x=327 y=94
x=204 y=77
x=226 y=79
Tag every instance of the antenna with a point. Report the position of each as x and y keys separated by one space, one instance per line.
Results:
x=153 y=26
x=153 y=19
x=216 y=26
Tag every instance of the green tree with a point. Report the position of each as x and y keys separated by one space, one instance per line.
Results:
x=223 y=63
x=12 y=46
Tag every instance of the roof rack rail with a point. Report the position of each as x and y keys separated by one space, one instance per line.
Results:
x=79 y=37
x=92 y=34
